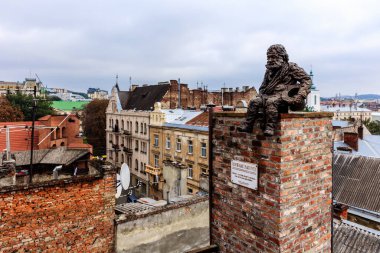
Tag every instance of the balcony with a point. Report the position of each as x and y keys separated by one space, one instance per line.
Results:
x=127 y=150
x=153 y=170
x=126 y=132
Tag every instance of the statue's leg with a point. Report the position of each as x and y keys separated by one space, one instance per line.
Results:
x=252 y=114
x=271 y=109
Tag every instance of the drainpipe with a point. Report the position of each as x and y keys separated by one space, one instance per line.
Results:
x=55 y=171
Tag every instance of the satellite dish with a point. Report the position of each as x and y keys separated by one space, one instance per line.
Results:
x=118 y=186
x=125 y=176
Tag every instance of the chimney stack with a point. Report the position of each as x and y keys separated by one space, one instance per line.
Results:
x=352 y=140
x=360 y=132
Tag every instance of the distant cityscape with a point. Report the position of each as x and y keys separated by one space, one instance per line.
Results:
x=157 y=137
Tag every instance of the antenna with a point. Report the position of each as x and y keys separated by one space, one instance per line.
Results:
x=118 y=186
x=125 y=176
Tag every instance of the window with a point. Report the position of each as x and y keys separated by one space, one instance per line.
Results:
x=142 y=167
x=156 y=140
x=110 y=124
x=179 y=147
x=137 y=127
x=190 y=171
x=143 y=147
x=203 y=149
x=156 y=159
x=189 y=191
x=137 y=165
x=167 y=142
x=145 y=129
x=137 y=145
x=142 y=128
x=190 y=147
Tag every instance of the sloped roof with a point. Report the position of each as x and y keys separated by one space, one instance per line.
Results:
x=368 y=146
x=123 y=97
x=143 y=98
x=356 y=181
x=60 y=155
x=351 y=238
x=19 y=137
x=200 y=120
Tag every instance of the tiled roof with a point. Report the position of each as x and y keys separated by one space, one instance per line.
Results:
x=143 y=98
x=200 y=120
x=19 y=137
x=353 y=238
x=356 y=181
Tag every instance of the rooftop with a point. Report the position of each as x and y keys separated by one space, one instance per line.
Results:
x=356 y=181
x=368 y=146
x=350 y=237
x=327 y=108
x=69 y=106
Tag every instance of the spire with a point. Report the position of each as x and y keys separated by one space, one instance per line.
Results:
x=312 y=81
x=117 y=83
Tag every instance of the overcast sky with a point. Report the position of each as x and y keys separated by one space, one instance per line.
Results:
x=82 y=44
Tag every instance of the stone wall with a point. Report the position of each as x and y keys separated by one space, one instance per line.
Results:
x=68 y=215
x=178 y=227
x=290 y=211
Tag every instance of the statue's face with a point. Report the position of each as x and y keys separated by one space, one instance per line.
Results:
x=274 y=61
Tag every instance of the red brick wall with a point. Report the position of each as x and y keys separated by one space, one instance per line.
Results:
x=291 y=210
x=59 y=216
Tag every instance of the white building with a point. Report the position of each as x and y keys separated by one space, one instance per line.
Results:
x=314 y=98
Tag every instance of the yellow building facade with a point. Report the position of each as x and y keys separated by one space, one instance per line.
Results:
x=183 y=144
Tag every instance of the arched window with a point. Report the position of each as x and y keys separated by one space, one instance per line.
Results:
x=142 y=128
x=122 y=124
x=137 y=127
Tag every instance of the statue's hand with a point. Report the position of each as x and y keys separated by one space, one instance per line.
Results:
x=298 y=99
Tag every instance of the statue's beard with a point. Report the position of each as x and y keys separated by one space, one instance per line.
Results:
x=273 y=66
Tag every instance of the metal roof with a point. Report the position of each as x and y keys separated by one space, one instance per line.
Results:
x=351 y=238
x=368 y=146
x=179 y=116
x=69 y=105
x=341 y=123
x=356 y=181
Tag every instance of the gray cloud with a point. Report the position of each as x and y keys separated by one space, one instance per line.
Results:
x=82 y=44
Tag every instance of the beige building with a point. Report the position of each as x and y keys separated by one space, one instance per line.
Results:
x=180 y=137
x=347 y=112
x=26 y=87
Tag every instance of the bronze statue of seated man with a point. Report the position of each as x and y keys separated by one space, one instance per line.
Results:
x=285 y=85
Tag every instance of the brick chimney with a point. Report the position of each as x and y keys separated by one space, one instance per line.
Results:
x=341 y=211
x=352 y=140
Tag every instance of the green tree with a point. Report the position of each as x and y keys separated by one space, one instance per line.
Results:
x=94 y=125
x=25 y=103
x=9 y=113
x=373 y=126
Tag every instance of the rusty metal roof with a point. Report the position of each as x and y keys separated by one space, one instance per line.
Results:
x=356 y=181
x=351 y=238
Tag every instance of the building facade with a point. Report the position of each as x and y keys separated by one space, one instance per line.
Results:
x=25 y=87
x=179 y=137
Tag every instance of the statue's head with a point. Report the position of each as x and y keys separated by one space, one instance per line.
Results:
x=276 y=57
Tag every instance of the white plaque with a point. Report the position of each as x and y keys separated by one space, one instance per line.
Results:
x=244 y=174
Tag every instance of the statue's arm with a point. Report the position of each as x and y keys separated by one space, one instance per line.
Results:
x=304 y=80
